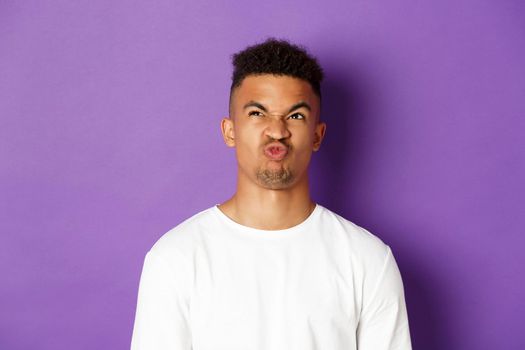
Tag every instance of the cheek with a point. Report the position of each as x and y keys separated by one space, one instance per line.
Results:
x=303 y=144
x=303 y=140
x=246 y=144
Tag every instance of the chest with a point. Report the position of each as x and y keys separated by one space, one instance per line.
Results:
x=273 y=290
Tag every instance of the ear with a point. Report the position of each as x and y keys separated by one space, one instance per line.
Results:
x=319 y=132
x=228 y=133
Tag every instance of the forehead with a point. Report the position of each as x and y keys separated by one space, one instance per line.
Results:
x=274 y=89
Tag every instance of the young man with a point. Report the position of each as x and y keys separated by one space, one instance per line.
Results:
x=269 y=269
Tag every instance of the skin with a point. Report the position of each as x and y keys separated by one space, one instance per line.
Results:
x=272 y=194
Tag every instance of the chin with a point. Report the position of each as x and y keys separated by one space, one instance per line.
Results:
x=275 y=179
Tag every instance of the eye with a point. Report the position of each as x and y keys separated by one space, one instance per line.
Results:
x=255 y=113
x=297 y=116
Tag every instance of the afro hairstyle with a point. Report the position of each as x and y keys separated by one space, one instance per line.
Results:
x=277 y=57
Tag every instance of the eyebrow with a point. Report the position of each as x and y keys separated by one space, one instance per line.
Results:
x=293 y=108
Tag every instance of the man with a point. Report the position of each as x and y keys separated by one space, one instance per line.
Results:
x=269 y=269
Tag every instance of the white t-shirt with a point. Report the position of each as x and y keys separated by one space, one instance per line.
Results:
x=211 y=283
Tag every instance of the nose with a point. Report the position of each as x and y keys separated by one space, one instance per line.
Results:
x=277 y=129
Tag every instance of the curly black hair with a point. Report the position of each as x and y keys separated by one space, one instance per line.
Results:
x=278 y=57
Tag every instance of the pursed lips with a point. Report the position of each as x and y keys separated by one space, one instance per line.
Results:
x=275 y=151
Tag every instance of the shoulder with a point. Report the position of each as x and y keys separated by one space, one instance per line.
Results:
x=371 y=259
x=362 y=244
x=181 y=239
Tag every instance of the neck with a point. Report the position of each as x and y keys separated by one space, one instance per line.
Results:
x=269 y=209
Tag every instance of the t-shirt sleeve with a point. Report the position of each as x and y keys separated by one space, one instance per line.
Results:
x=383 y=324
x=162 y=313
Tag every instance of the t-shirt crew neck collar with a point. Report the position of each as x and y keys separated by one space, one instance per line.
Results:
x=291 y=231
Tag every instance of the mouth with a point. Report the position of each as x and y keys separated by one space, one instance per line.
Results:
x=275 y=151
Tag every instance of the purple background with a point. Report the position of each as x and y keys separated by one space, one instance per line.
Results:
x=109 y=136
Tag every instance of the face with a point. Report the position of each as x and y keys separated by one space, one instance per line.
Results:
x=273 y=125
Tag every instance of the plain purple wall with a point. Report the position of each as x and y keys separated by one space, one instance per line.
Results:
x=109 y=137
